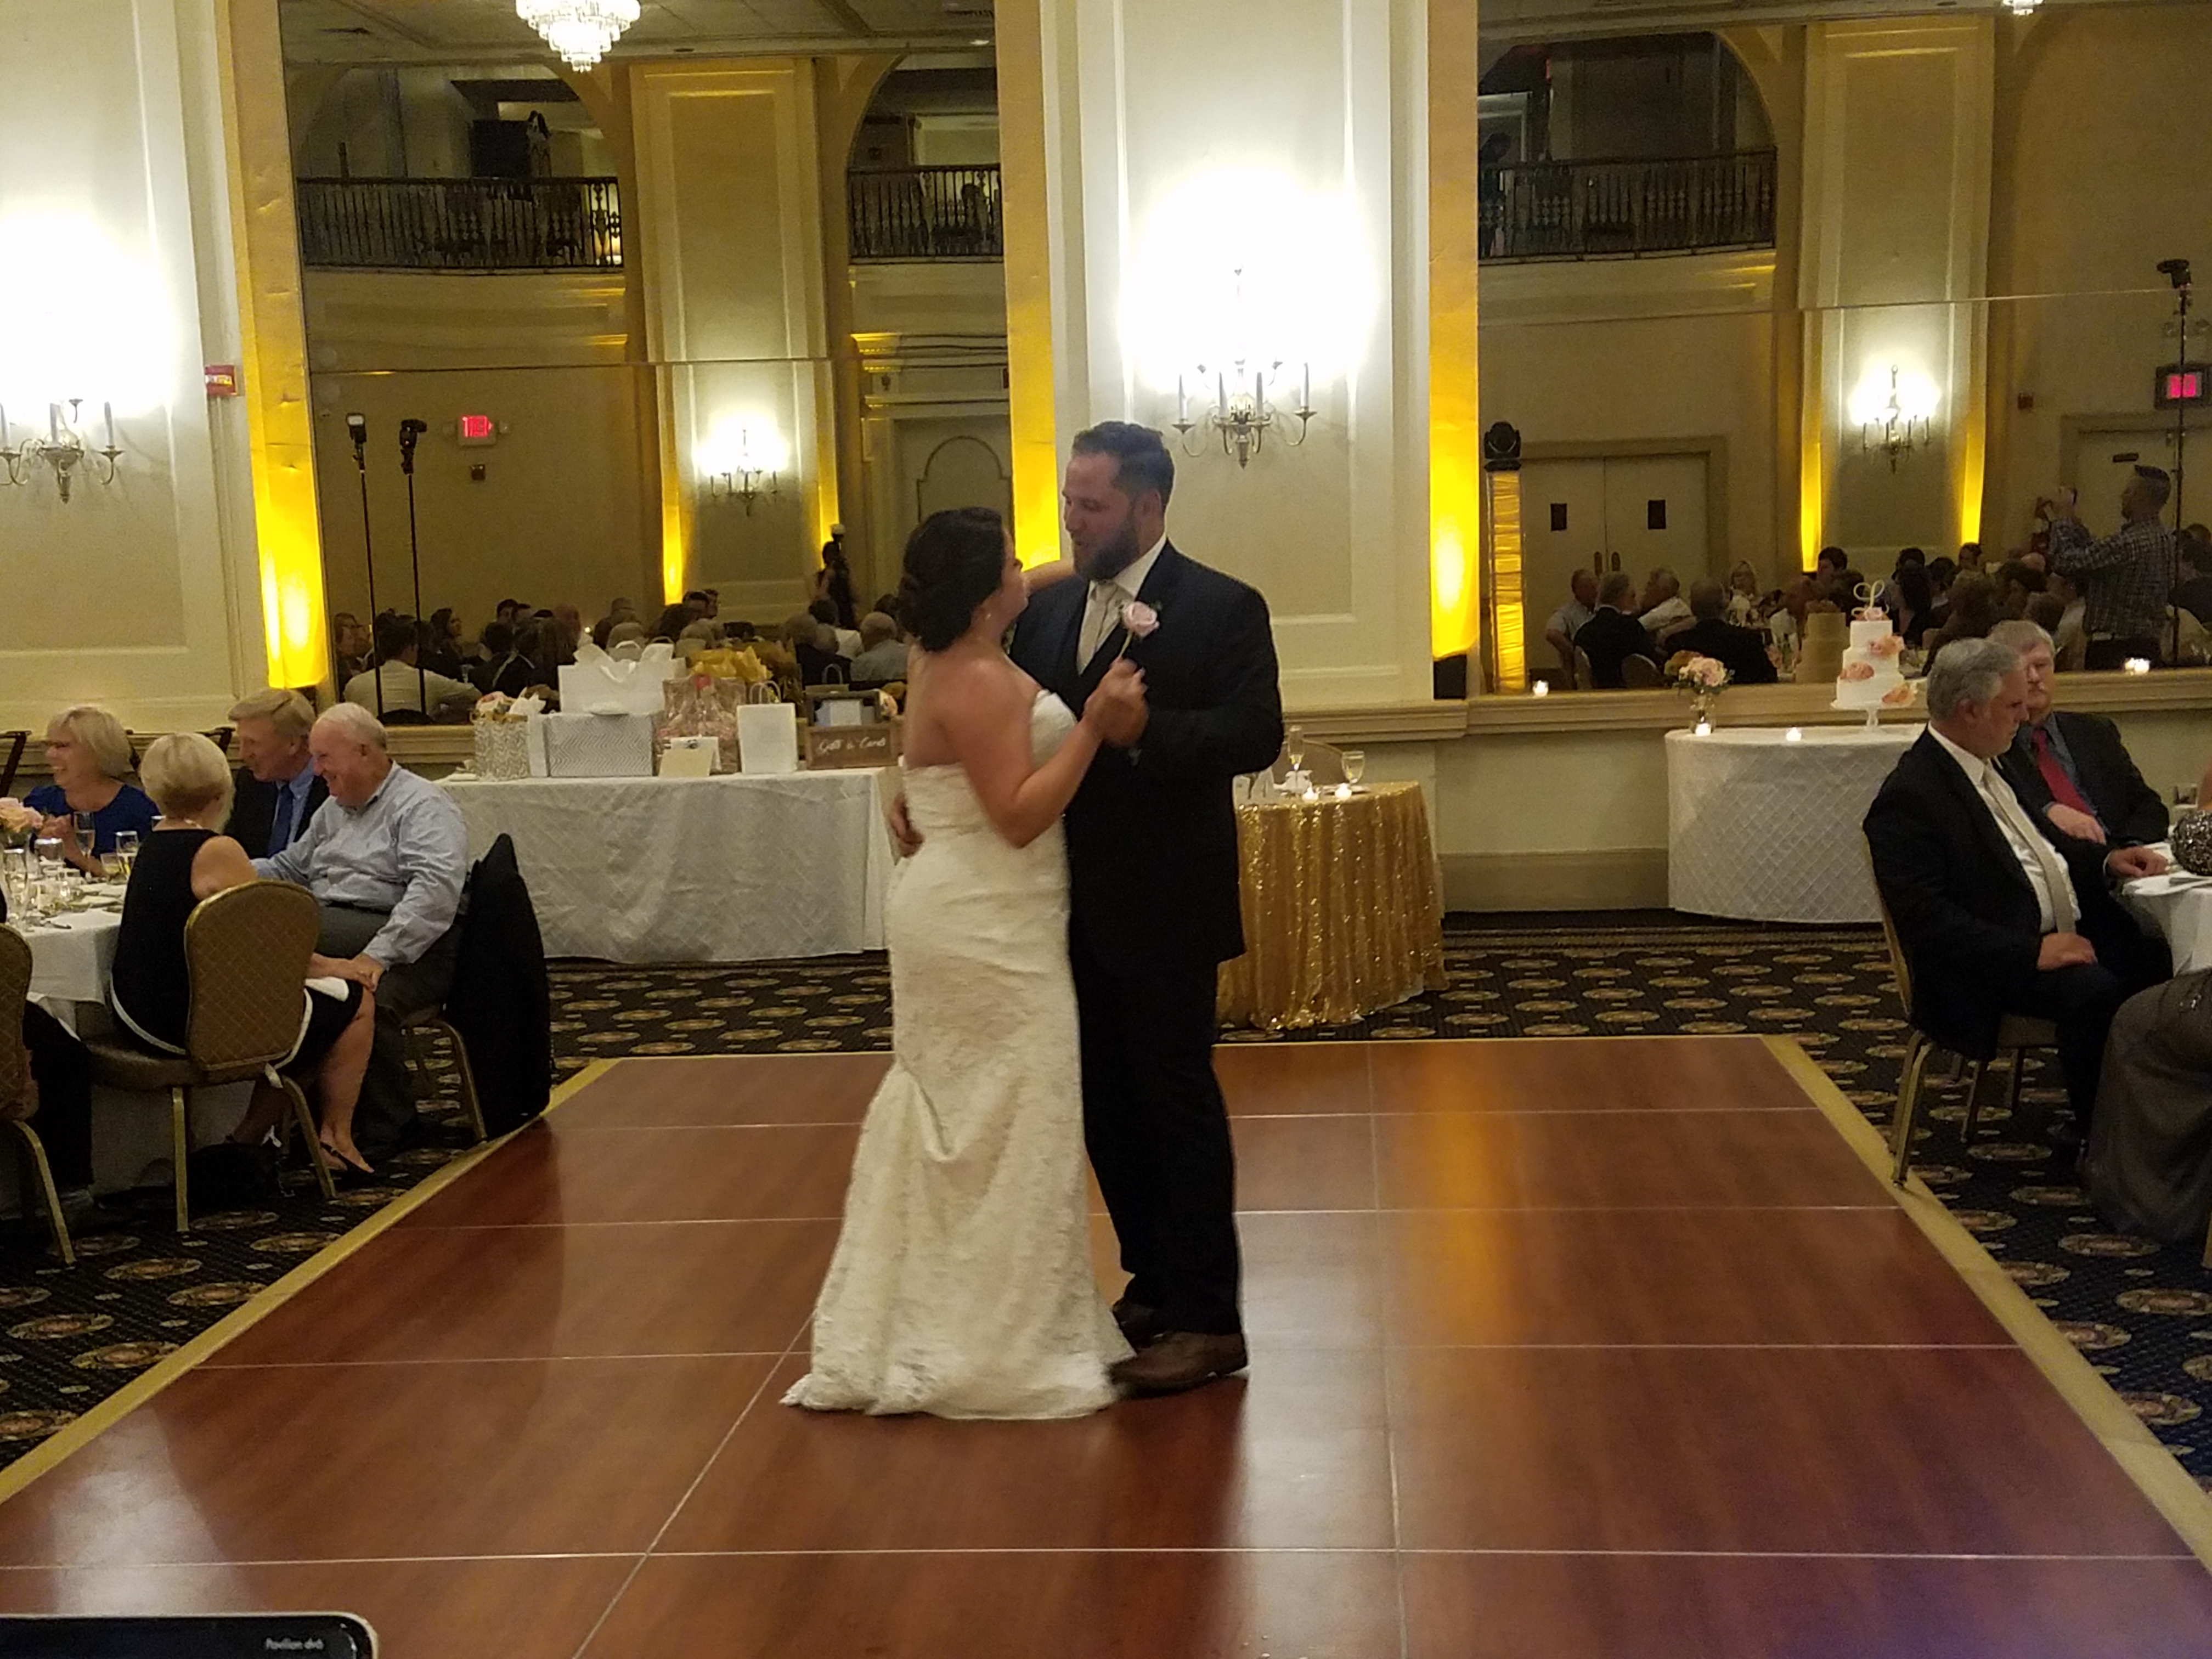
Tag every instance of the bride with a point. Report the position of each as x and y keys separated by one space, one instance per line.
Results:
x=962 y=1283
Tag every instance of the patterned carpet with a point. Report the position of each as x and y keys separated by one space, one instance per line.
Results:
x=2142 y=1312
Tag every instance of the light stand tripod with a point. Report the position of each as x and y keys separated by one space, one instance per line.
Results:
x=357 y=430
x=411 y=429
x=2177 y=272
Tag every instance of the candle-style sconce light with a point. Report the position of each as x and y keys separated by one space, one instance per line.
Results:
x=66 y=448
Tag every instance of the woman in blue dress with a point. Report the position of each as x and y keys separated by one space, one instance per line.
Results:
x=89 y=755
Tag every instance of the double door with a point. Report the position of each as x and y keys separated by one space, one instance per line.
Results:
x=1633 y=512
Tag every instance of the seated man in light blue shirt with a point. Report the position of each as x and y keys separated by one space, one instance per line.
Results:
x=386 y=857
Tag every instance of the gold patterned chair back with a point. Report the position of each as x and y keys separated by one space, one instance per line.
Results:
x=1641 y=674
x=15 y=989
x=1899 y=970
x=246 y=952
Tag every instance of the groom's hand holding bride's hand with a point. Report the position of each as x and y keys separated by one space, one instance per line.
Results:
x=1117 y=710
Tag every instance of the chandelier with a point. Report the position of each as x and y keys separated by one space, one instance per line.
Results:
x=580 y=31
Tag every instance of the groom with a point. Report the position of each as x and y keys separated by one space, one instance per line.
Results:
x=1153 y=865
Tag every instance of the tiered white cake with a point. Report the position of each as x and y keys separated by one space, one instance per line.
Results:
x=1871 y=677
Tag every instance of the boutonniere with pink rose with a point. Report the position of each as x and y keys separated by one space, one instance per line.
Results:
x=1138 y=622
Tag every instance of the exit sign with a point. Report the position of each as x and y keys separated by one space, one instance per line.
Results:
x=2182 y=386
x=476 y=430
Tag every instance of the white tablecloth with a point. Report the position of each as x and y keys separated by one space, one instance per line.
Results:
x=1764 y=829
x=71 y=955
x=724 y=869
x=2179 y=907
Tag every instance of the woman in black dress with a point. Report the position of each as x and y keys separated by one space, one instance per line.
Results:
x=187 y=858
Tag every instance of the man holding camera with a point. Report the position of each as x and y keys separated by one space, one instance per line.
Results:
x=2127 y=574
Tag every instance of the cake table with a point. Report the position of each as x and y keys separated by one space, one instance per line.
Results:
x=1766 y=829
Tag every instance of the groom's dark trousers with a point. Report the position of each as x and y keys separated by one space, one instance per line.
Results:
x=1153 y=866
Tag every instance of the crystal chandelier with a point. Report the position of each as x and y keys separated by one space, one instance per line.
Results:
x=580 y=30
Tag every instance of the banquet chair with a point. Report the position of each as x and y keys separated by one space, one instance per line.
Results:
x=2016 y=1033
x=14 y=743
x=1585 y=675
x=1323 y=762
x=246 y=961
x=433 y=1020
x=220 y=736
x=17 y=1103
x=1641 y=674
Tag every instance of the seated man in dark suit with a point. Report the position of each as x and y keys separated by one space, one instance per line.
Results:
x=2073 y=768
x=1739 y=649
x=277 y=789
x=1612 y=634
x=1998 y=912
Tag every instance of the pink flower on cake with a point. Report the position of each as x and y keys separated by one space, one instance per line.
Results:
x=1885 y=645
x=1897 y=696
x=1856 y=671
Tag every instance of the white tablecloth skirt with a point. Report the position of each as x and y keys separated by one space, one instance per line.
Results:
x=1766 y=829
x=70 y=956
x=725 y=869
x=2177 y=906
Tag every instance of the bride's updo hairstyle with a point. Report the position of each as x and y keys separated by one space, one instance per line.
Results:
x=954 y=562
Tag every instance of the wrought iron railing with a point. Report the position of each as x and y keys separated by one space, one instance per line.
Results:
x=926 y=213
x=460 y=224
x=1600 y=209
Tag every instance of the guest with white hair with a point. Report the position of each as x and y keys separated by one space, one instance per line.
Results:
x=88 y=754
x=1998 y=911
x=278 y=790
x=387 y=858
x=883 y=655
x=2072 y=768
x=188 y=860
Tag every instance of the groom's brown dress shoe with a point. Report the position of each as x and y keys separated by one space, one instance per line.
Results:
x=1179 y=1360
x=1141 y=1327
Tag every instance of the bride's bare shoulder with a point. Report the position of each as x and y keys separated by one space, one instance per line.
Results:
x=965 y=683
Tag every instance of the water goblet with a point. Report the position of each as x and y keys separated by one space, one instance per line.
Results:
x=1294 y=747
x=45 y=898
x=1355 y=766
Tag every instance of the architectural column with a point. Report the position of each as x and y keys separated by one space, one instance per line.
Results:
x=146 y=204
x=1893 y=273
x=730 y=216
x=1219 y=210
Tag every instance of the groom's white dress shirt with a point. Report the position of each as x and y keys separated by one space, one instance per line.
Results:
x=1108 y=598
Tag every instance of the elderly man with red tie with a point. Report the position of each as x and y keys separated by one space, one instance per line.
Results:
x=2072 y=769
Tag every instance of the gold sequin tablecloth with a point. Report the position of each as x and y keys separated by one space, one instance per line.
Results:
x=1341 y=910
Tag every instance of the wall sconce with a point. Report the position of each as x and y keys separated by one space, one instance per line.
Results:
x=63 y=448
x=1892 y=423
x=741 y=472
x=1243 y=416
x=2021 y=8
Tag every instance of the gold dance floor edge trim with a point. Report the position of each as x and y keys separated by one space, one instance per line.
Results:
x=81 y=1431
x=2186 y=1506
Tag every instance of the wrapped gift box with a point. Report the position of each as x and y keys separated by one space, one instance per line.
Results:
x=599 y=745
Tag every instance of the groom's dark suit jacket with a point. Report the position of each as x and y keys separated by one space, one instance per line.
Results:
x=1151 y=834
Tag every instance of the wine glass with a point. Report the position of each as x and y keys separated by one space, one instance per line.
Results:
x=1355 y=766
x=126 y=850
x=1294 y=747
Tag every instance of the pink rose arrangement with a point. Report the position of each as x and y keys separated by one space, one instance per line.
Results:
x=1692 y=672
x=1888 y=645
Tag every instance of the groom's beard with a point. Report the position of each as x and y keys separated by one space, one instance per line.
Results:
x=1110 y=560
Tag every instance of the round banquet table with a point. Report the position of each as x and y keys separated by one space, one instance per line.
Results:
x=1342 y=912
x=1767 y=829
x=70 y=956
x=2177 y=906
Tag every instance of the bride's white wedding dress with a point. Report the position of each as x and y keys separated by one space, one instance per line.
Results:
x=962 y=1283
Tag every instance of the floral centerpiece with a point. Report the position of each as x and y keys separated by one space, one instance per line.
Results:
x=19 y=824
x=1702 y=676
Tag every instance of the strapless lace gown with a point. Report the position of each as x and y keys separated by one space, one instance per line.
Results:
x=962 y=1283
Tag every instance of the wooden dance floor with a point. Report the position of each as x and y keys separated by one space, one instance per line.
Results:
x=1613 y=1348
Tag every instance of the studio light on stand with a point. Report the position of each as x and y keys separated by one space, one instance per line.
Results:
x=2182 y=386
x=357 y=430
x=411 y=432
x=64 y=448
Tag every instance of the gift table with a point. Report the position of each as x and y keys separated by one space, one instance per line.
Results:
x=734 y=868
x=1766 y=827
x=1343 y=914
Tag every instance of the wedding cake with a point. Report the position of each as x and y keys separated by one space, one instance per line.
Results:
x=1870 y=677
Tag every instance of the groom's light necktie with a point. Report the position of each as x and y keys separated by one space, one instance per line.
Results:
x=1100 y=612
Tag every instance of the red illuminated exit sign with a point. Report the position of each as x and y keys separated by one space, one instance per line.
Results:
x=476 y=431
x=2184 y=386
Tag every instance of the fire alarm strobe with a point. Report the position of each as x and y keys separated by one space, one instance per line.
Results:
x=2184 y=386
x=476 y=431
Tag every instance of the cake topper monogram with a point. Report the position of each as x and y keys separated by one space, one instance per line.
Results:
x=1869 y=596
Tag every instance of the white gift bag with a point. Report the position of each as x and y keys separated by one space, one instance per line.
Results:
x=599 y=745
x=767 y=738
x=597 y=683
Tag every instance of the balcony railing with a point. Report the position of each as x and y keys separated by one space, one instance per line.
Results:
x=926 y=213
x=460 y=224
x=1609 y=210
